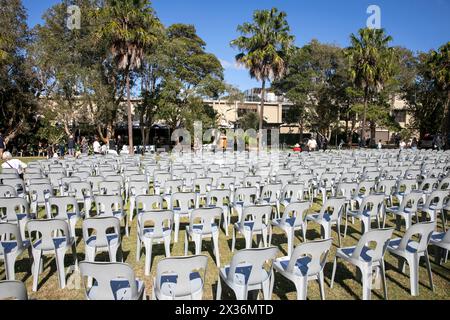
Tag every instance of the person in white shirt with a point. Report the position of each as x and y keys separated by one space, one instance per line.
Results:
x=312 y=145
x=380 y=145
x=402 y=145
x=97 y=147
x=11 y=163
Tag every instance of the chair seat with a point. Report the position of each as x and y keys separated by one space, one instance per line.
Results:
x=301 y=266
x=198 y=229
x=150 y=232
x=242 y=275
x=11 y=246
x=410 y=248
x=437 y=239
x=316 y=218
x=289 y=221
x=113 y=239
x=168 y=284
x=119 y=287
x=59 y=242
x=347 y=253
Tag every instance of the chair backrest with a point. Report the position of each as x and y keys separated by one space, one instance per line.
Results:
x=246 y=195
x=39 y=192
x=366 y=186
x=271 y=192
x=336 y=205
x=387 y=186
x=138 y=187
x=95 y=181
x=14 y=206
x=424 y=230
x=173 y=186
x=408 y=184
x=293 y=192
x=62 y=205
x=45 y=229
x=380 y=238
x=106 y=205
x=208 y=217
x=110 y=188
x=372 y=204
x=161 y=221
x=149 y=202
x=411 y=201
x=100 y=226
x=7 y=191
x=12 y=232
x=347 y=189
x=218 y=197
x=437 y=198
x=445 y=184
x=429 y=184
x=104 y=274
x=183 y=200
x=203 y=184
x=295 y=210
x=317 y=251
x=258 y=215
x=80 y=190
x=182 y=269
x=254 y=259
x=226 y=182
x=17 y=184
x=13 y=290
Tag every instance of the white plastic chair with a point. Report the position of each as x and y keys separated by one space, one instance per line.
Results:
x=246 y=273
x=255 y=220
x=11 y=247
x=409 y=250
x=366 y=258
x=306 y=263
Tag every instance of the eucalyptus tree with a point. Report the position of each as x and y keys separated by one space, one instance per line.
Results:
x=129 y=27
x=371 y=62
x=439 y=70
x=264 y=45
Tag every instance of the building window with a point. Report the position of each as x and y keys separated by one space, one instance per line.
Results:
x=400 y=116
x=285 y=114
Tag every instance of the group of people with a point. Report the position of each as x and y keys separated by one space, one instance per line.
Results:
x=312 y=145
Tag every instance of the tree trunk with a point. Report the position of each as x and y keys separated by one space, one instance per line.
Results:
x=302 y=127
x=373 y=132
x=130 y=117
x=363 y=134
x=446 y=121
x=261 y=114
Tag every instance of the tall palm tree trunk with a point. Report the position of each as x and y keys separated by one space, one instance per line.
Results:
x=130 y=117
x=261 y=114
x=364 y=125
x=446 y=121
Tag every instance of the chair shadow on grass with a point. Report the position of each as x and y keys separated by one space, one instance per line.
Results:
x=390 y=266
x=342 y=273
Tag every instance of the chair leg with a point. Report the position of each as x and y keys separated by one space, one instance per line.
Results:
x=334 y=273
x=266 y=289
x=233 y=241
x=167 y=246
x=367 y=282
x=219 y=289
x=430 y=274
x=148 y=257
x=301 y=284
x=37 y=262
x=186 y=243
x=414 y=275
x=138 y=248
x=216 y=247
x=383 y=277
x=322 y=285
x=60 y=267
x=177 y=227
x=9 y=266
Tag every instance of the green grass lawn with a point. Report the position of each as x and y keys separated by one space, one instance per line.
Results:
x=347 y=285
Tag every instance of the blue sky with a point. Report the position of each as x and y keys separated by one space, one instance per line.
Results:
x=420 y=25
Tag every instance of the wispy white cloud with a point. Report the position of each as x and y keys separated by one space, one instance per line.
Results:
x=231 y=65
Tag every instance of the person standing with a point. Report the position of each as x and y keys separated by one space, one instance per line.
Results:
x=97 y=147
x=84 y=146
x=414 y=144
x=71 y=146
x=312 y=145
x=2 y=145
x=380 y=145
x=402 y=145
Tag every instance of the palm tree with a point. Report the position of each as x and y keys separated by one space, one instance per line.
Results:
x=265 y=45
x=128 y=26
x=439 y=68
x=370 y=64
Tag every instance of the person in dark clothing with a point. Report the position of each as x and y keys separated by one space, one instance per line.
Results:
x=119 y=143
x=71 y=146
x=2 y=145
